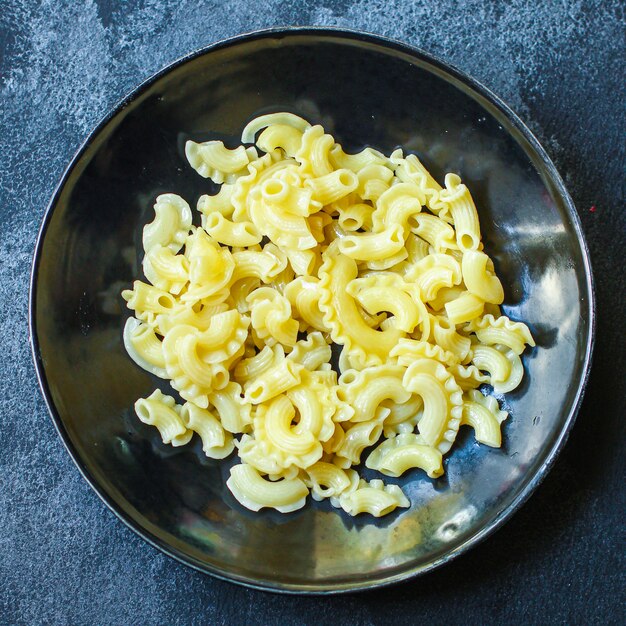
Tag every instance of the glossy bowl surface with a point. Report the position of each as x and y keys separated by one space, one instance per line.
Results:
x=364 y=90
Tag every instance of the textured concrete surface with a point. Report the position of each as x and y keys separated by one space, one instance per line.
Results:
x=64 y=558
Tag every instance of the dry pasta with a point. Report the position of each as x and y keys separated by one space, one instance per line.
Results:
x=303 y=247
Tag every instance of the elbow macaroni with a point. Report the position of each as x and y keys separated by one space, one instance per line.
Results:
x=361 y=250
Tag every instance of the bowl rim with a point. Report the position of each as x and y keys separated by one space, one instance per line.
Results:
x=559 y=188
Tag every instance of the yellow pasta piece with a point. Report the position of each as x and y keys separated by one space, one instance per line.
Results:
x=302 y=248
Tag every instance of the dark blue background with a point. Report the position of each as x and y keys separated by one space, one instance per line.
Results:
x=65 y=559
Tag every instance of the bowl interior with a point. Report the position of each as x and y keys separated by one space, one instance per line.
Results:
x=364 y=92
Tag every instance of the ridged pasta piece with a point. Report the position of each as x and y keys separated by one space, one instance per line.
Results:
x=357 y=438
x=234 y=412
x=274 y=381
x=489 y=359
x=311 y=352
x=389 y=292
x=464 y=308
x=305 y=293
x=314 y=152
x=402 y=418
x=406 y=351
x=445 y=335
x=159 y=410
x=326 y=480
x=166 y=270
x=374 y=498
x=148 y=301
x=304 y=262
x=199 y=316
x=221 y=202
x=480 y=278
x=433 y=273
x=252 y=367
x=263 y=264
x=483 y=414
x=358 y=161
x=468 y=377
x=445 y=295
x=216 y=442
x=281 y=136
x=437 y=232
x=315 y=405
x=463 y=211
x=443 y=402
x=355 y=216
x=490 y=330
x=230 y=233
x=254 y=492
x=210 y=267
x=398 y=454
x=144 y=347
x=272 y=119
x=373 y=181
x=373 y=246
x=211 y=159
x=270 y=214
x=411 y=170
x=332 y=186
x=342 y=317
x=394 y=207
x=171 y=223
x=366 y=390
x=271 y=317
x=239 y=292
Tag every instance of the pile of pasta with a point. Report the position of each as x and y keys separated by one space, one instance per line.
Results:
x=306 y=246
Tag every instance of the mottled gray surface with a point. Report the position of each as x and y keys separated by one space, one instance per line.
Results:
x=64 y=558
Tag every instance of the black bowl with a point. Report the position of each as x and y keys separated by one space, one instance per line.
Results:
x=364 y=90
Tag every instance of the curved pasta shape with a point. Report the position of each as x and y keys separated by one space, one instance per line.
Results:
x=314 y=152
x=264 y=264
x=216 y=442
x=490 y=330
x=211 y=159
x=304 y=262
x=357 y=438
x=333 y=186
x=408 y=350
x=311 y=352
x=446 y=336
x=373 y=181
x=479 y=276
x=489 y=359
x=316 y=407
x=160 y=411
x=328 y=481
x=437 y=232
x=443 y=402
x=166 y=270
x=234 y=413
x=433 y=273
x=468 y=377
x=281 y=136
x=374 y=498
x=389 y=292
x=404 y=452
x=271 y=317
x=373 y=246
x=356 y=162
x=147 y=301
x=355 y=216
x=342 y=316
x=404 y=417
x=463 y=211
x=254 y=366
x=272 y=119
x=464 y=308
x=483 y=414
x=199 y=316
x=221 y=202
x=171 y=223
x=305 y=293
x=396 y=206
x=144 y=347
x=254 y=492
x=366 y=390
x=230 y=233
x=274 y=381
